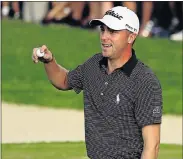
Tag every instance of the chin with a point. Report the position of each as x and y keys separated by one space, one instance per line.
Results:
x=105 y=54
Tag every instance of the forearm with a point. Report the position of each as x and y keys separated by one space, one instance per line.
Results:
x=57 y=75
x=150 y=153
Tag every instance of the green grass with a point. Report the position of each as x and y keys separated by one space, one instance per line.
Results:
x=68 y=151
x=25 y=82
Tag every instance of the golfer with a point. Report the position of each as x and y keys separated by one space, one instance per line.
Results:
x=122 y=96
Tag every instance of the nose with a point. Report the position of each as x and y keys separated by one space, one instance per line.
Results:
x=104 y=35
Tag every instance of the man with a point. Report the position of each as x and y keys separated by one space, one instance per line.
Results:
x=122 y=96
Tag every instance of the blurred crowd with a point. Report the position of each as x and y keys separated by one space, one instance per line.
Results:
x=158 y=18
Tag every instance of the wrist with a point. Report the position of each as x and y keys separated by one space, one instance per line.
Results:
x=49 y=61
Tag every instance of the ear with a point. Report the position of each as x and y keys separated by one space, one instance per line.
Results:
x=131 y=38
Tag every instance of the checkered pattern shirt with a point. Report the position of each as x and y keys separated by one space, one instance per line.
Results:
x=117 y=106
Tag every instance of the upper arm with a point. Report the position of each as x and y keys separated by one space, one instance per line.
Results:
x=75 y=78
x=148 y=106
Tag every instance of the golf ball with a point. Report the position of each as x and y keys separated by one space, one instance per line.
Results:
x=39 y=53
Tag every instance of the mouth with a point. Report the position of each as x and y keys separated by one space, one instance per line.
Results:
x=106 y=45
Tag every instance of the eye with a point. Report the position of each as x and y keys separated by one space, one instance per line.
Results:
x=112 y=31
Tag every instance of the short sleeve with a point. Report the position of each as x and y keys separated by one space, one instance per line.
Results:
x=148 y=107
x=75 y=79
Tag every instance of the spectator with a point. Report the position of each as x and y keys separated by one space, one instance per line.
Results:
x=177 y=12
x=77 y=12
x=94 y=12
x=177 y=36
x=162 y=19
x=105 y=6
x=34 y=11
x=58 y=11
x=177 y=30
x=6 y=8
x=74 y=15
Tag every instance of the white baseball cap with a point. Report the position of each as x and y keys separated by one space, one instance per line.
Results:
x=119 y=18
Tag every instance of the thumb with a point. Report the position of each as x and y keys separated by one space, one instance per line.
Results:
x=44 y=49
x=47 y=54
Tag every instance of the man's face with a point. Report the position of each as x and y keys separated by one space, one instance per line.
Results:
x=113 y=42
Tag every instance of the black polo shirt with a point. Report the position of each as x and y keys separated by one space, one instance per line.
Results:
x=117 y=106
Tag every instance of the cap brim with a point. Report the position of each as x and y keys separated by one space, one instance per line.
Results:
x=96 y=22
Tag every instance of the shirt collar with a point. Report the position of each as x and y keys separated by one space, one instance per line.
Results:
x=126 y=68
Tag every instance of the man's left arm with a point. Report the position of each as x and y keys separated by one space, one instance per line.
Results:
x=151 y=137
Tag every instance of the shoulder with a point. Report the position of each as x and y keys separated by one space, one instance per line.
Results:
x=94 y=59
x=145 y=77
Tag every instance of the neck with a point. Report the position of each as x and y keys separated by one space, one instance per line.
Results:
x=119 y=61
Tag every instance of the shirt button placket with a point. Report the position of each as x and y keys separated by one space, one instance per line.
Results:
x=102 y=96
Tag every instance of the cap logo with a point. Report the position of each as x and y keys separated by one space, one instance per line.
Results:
x=131 y=28
x=112 y=13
